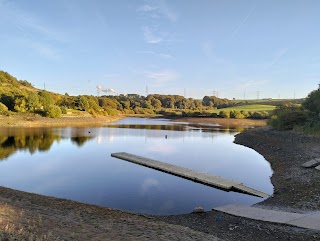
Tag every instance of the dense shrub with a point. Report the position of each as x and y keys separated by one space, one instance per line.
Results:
x=224 y=114
x=139 y=110
x=310 y=128
x=214 y=115
x=236 y=114
x=288 y=118
x=259 y=115
x=63 y=110
x=127 y=111
x=312 y=104
x=205 y=113
x=53 y=111
x=3 y=109
x=112 y=112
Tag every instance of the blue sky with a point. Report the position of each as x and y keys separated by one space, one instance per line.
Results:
x=234 y=47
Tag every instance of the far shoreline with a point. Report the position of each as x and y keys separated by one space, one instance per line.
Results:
x=87 y=120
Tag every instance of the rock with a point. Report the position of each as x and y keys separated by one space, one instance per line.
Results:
x=312 y=163
x=198 y=210
x=318 y=167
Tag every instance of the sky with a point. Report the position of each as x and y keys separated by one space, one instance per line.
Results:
x=241 y=49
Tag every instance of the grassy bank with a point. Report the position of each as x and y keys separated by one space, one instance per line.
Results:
x=247 y=108
x=31 y=120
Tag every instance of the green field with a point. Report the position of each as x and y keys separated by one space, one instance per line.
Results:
x=247 y=108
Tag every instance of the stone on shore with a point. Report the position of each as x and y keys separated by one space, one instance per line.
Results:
x=312 y=163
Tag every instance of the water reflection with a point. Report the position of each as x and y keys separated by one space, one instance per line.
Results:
x=35 y=139
x=80 y=140
x=75 y=163
x=31 y=141
x=181 y=127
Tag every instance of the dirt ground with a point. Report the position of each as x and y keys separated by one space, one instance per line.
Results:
x=26 y=216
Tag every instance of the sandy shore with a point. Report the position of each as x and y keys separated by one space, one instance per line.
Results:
x=26 y=216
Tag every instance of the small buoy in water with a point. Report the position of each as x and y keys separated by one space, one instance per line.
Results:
x=89 y=132
x=166 y=136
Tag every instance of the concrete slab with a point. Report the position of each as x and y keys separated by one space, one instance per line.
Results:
x=312 y=163
x=259 y=213
x=214 y=181
x=309 y=221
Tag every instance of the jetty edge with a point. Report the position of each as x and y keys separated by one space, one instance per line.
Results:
x=208 y=180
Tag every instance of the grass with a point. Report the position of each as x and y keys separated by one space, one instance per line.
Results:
x=271 y=101
x=247 y=108
x=12 y=227
x=309 y=129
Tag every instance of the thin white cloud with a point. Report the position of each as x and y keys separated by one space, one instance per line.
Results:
x=28 y=23
x=166 y=56
x=150 y=37
x=158 y=9
x=146 y=8
x=277 y=56
x=45 y=51
x=161 y=55
x=162 y=76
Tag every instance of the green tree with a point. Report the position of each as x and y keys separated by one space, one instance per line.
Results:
x=288 y=118
x=53 y=111
x=82 y=103
x=156 y=103
x=3 y=109
x=206 y=100
x=224 y=114
x=20 y=104
x=32 y=101
x=312 y=104
x=46 y=99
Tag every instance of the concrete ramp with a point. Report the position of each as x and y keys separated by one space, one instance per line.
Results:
x=309 y=221
x=213 y=181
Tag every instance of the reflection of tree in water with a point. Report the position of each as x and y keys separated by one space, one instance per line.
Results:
x=31 y=142
x=80 y=140
x=149 y=127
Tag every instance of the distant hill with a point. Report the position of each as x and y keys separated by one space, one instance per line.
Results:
x=9 y=84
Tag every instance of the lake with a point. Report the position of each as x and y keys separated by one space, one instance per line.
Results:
x=75 y=163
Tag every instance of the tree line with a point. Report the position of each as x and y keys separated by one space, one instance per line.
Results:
x=21 y=97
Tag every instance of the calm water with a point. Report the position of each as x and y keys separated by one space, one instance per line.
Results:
x=75 y=163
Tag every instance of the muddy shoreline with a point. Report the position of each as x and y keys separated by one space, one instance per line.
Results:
x=24 y=215
x=296 y=189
